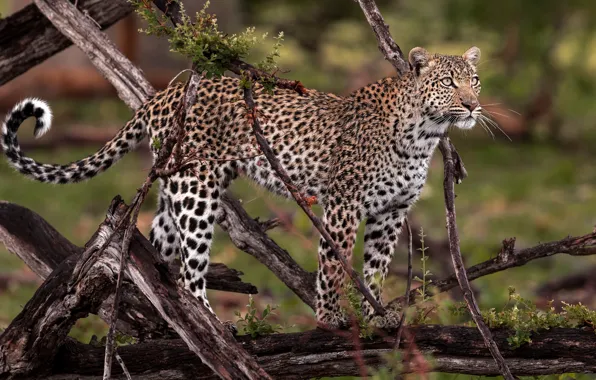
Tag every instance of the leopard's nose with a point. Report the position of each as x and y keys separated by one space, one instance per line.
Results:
x=470 y=104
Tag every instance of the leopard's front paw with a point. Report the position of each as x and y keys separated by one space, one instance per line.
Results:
x=391 y=320
x=334 y=321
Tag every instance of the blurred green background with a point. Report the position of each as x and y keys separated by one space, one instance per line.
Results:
x=538 y=72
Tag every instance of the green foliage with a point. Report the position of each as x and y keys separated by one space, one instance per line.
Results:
x=211 y=50
x=524 y=318
x=253 y=325
x=119 y=340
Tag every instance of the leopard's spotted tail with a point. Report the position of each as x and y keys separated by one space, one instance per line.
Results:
x=127 y=139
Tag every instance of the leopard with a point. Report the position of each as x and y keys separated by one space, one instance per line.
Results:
x=364 y=157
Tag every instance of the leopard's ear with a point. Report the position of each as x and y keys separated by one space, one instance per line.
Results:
x=472 y=56
x=419 y=60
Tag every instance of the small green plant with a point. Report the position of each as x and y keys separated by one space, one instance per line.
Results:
x=211 y=50
x=253 y=325
x=422 y=312
x=352 y=295
x=524 y=318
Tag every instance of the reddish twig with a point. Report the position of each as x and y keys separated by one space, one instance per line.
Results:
x=304 y=202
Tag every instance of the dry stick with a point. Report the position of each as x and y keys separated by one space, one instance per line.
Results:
x=406 y=304
x=303 y=202
x=458 y=263
x=390 y=49
x=123 y=366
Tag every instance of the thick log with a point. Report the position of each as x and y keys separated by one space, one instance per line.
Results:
x=316 y=353
x=43 y=249
x=27 y=38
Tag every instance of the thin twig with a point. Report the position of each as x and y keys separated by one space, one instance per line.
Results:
x=123 y=366
x=509 y=258
x=406 y=304
x=458 y=263
x=304 y=203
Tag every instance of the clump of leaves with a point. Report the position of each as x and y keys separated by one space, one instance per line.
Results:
x=254 y=325
x=393 y=366
x=119 y=339
x=354 y=299
x=210 y=49
x=524 y=318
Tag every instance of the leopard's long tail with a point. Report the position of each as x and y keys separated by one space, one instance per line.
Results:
x=126 y=140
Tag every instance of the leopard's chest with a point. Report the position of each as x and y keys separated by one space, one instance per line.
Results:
x=400 y=186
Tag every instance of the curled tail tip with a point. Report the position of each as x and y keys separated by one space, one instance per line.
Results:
x=33 y=107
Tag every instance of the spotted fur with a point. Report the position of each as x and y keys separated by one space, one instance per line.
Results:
x=364 y=156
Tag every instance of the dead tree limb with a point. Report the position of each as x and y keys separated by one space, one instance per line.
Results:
x=248 y=235
x=27 y=38
x=390 y=49
x=317 y=353
x=43 y=249
x=101 y=51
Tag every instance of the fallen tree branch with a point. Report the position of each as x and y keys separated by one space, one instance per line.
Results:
x=317 y=353
x=27 y=38
x=101 y=51
x=43 y=249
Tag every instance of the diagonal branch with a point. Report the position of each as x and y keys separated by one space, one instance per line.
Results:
x=390 y=49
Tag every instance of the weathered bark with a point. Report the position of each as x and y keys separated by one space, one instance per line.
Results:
x=317 y=353
x=101 y=51
x=43 y=249
x=27 y=38
x=248 y=235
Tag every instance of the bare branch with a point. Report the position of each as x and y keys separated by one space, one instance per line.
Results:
x=124 y=76
x=390 y=49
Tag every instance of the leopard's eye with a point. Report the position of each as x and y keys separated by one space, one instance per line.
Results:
x=447 y=82
x=475 y=81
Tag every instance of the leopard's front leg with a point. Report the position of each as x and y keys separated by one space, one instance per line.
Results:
x=342 y=223
x=380 y=239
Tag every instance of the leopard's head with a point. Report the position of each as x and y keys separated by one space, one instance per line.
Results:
x=448 y=86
